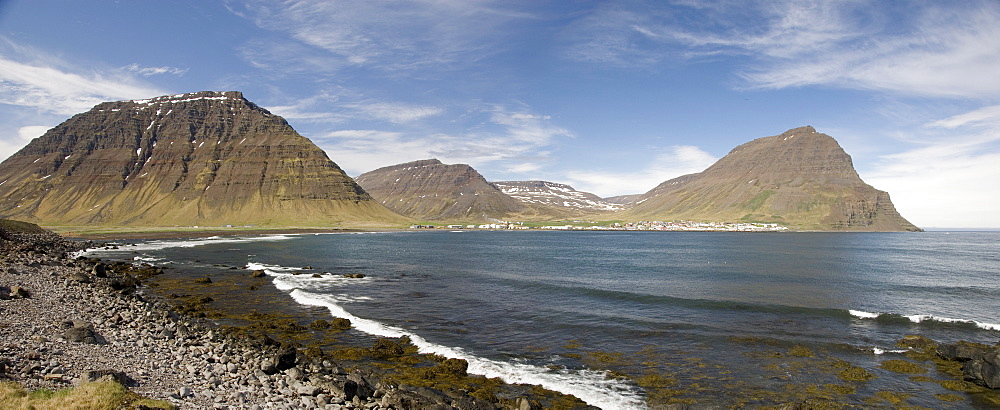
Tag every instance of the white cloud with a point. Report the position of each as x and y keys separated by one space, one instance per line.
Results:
x=28 y=79
x=679 y=160
x=11 y=144
x=388 y=35
x=396 y=112
x=948 y=182
x=922 y=48
x=942 y=186
x=515 y=141
x=150 y=71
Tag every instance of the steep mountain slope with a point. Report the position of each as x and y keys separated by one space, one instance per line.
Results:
x=559 y=197
x=800 y=178
x=207 y=158
x=431 y=190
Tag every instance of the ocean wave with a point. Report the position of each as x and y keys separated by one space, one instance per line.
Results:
x=593 y=387
x=920 y=318
x=288 y=278
x=186 y=243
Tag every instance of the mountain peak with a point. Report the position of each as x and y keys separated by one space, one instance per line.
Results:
x=204 y=158
x=800 y=177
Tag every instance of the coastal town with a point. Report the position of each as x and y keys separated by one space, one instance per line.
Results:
x=691 y=226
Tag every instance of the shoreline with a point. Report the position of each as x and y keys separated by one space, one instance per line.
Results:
x=193 y=363
x=179 y=234
x=69 y=321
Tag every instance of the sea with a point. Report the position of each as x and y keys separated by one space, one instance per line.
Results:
x=704 y=318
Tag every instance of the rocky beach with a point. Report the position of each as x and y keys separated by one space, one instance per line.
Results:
x=67 y=321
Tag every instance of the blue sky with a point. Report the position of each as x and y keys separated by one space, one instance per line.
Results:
x=612 y=97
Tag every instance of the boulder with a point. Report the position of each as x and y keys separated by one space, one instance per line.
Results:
x=81 y=335
x=99 y=271
x=357 y=386
x=120 y=377
x=258 y=274
x=980 y=363
x=17 y=292
x=984 y=371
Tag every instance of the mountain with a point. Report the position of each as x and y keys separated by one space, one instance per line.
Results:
x=431 y=190
x=801 y=178
x=543 y=194
x=623 y=199
x=206 y=158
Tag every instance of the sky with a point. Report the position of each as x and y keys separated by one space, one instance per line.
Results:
x=611 y=97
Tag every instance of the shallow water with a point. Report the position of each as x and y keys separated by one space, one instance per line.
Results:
x=713 y=314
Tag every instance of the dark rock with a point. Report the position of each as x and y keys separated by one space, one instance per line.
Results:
x=357 y=386
x=80 y=277
x=415 y=398
x=963 y=351
x=258 y=274
x=81 y=335
x=120 y=377
x=205 y=280
x=17 y=292
x=981 y=363
x=984 y=371
x=99 y=271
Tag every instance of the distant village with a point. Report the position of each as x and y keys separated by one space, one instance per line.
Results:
x=630 y=226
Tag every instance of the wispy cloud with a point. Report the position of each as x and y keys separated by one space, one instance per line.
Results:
x=31 y=79
x=382 y=34
x=396 y=112
x=920 y=48
x=961 y=171
x=150 y=71
x=673 y=162
x=514 y=141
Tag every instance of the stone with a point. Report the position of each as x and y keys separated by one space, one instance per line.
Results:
x=120 y=377
x=295 y=374
x=99 y=271
x=18 y=292
x=984 y=371
x=81 y=335
x=258 y=273
x=307 y=389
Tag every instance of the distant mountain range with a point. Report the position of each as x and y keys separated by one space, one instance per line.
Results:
x=214 y=158
x=801 y=178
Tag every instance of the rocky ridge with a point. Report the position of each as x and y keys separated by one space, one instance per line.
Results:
x=206 y=158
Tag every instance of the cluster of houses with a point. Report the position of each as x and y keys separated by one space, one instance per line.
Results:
x=492 y=226
x=630 y=226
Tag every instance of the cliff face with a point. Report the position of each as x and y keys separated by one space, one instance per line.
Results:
x=431 y=190
x=207 y=158
x=800 y=178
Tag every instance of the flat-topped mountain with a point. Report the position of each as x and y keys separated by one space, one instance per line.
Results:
x=207 y=158
x=553 y=195
x=801 y=178
x=431 y=190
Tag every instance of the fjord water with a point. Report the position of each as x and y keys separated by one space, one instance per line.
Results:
x=551 y=307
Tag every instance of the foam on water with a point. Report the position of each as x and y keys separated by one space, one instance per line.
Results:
x=919 y=318
x=186 y=243
x=593 y=387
